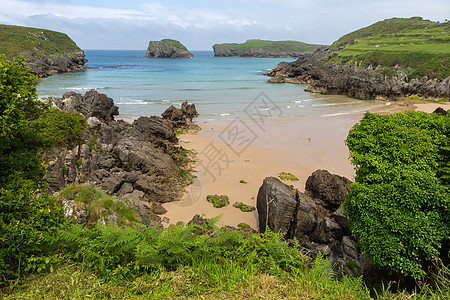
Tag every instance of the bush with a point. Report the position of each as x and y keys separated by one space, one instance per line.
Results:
x=399 y=205
x=29 y=220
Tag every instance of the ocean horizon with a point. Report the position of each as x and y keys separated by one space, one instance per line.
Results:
x=220 y=87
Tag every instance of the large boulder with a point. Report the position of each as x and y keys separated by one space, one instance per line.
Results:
x=331 y=189
x=314 y=218
x=91 y=104
x=276 y=205
x=181 y=117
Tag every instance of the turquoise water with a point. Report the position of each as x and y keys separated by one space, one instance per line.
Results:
x=220 y=87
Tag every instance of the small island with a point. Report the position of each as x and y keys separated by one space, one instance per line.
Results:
x=167 y=48
x=262 y=48
x=46 y=52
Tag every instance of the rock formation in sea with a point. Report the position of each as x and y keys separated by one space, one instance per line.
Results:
x=353 y=81
x=46 y=52
x=140 y=161
x=314 y=218
x=167 y=48
x=263 y=48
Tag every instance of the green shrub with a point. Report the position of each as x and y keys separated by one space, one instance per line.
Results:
x=287 y=176
x=399 y=204
x=218 y=201
x=244 y=207
x=57 y=127
x=29 y=220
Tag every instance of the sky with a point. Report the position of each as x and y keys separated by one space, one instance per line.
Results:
x=198 y=24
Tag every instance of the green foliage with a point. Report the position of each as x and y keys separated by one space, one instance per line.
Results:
x=243 y=225
x=25 y=41
x=29 y=220
x=287 y=176
x=243 y=181
x=99 y=205
x=57 y=127
x=420 y=47
x=218 y=201
x=273 y=46
x=17 y=96
x=244 y=207
x=399 y=205
x=166 y=44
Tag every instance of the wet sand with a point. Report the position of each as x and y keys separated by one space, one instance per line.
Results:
x=296 y=145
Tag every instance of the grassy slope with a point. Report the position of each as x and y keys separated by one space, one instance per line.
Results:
x=421 y=47
x=168 y=43
x=17 y=40
x=274 y=46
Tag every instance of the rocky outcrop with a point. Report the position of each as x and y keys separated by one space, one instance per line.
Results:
x=167 y=49
x=314 y=218
x=356 y=82
x=138 y=161
x=263 y=48
x=46 y=52
x=46 y=66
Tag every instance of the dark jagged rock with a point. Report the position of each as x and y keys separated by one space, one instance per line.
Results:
x=276 y=204
x=355 y=82
x=331 y=189
x=46 y=66
x=440 y=111
x=137 y=161
x=181 y=117
x=316 y=222
x=91 y=104
x=167 y=49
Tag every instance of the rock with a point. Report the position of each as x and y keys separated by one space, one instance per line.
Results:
x=181 y=117
x=314 y=219
x=137 y=161
x=158 y=208
x=355 y=82
x=92 y=104
x=276 y=206
x=331 y=189
x=277 y=79
x=440 y=111
x=167 y=48
x=46 y=52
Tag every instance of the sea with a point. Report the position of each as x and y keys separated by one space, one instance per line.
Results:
x=220 y=87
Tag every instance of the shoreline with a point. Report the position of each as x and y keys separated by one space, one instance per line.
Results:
x=295 y=145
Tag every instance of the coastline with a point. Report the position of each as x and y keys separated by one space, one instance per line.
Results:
x=297 y=145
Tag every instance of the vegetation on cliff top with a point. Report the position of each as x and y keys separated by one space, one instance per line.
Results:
x=167 y=44
x=419 y=47
x=26 y=41
x=273 y=46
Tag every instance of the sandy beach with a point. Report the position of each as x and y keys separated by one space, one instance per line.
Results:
x=296 y=145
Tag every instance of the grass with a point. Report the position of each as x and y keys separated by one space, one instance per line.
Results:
x=167 y=44
x=99 y=205
x=244 y=207
x=420 y=47
x=20 y=41
x=274 y=46
x=287 y=176
x=218 y=201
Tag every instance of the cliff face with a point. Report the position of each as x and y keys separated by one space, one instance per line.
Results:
x=261 y=48
x=46 y=52
x=353 y=81
x=389 y=59
x=167 y=49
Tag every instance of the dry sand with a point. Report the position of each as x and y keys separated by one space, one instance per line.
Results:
x=296 y=145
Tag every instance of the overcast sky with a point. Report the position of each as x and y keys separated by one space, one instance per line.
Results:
x=198 y=24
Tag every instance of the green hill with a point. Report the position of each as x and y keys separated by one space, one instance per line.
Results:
x=264 y=48
x=420 y=47
x=26 y=41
